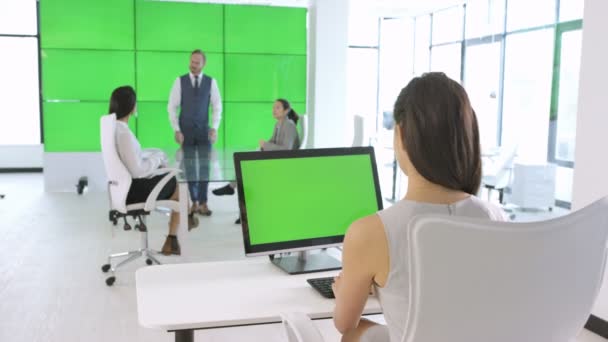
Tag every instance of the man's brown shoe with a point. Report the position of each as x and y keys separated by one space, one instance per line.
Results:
x=204 y=210
x=192 y=222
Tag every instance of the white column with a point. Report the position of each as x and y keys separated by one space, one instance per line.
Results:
x=327 y=53
x=591 y=161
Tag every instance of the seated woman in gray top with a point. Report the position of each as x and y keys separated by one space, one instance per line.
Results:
x=284 y=137
x=285 y=133
x=142 y=164
x=436 y=142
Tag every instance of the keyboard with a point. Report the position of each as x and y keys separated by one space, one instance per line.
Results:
x=323 y=286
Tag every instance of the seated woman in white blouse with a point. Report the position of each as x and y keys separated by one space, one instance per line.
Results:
x=142 y=165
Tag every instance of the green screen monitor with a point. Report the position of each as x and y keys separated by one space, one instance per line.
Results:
x=293 y=201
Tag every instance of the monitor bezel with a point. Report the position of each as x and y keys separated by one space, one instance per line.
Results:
x=304 y=244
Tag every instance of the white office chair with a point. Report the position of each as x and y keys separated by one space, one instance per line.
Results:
x=299 y=328
x=475 y=280
x=533 y=186
x=303 y=119
x=119 y=182
x=497 y=170
x=359 y=131
x=478 y=280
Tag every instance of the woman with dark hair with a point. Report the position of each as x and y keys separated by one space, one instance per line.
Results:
x=143 y=165
x=284 y=137
x=285 y=133
x=437 y=146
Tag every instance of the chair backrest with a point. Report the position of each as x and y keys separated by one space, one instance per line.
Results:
x=533 y=185
x=476 y=280
x=359 y=131
x=119 y=177
x=303 y=120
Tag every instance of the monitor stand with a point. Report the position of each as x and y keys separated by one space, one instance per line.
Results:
x=306 y=262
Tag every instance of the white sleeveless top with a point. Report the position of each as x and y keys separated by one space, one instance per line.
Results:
x=394 y=295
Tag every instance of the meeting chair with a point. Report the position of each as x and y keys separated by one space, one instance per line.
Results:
x=299 y=328
x=533 y=186
x=479 y=280
x=359 y=131
x=497 y=170
x=119 y=181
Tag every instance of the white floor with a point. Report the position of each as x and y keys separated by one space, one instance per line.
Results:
x=51 y=286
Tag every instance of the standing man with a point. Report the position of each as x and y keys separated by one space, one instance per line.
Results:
x=192 y=93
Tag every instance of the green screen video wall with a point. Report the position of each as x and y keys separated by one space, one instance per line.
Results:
x=88 y=48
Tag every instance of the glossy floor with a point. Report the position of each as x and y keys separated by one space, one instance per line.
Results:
x=51 y=286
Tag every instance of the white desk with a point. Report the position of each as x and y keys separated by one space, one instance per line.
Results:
x=185 y=297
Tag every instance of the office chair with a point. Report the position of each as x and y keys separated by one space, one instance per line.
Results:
x=303 y=119
x=359 y=131
x=118 y=188
x=497 y=170
x=479 y=280
x=299 y=328
x=533 y=186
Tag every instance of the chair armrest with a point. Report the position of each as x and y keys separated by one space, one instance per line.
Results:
x=299 y=328
x=151 y=200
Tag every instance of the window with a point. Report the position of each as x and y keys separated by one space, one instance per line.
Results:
x=523 y=14
x=569 y=66
x=448 y=25
x=571 y=9
x=363 y=30
x=485 y=18
x=481 y=80
x=19 y=111
x=527 y=92
x=20 y=108
x=362 y=86
x=446 y=58
x=422 y=43
x=396 y=59
x=18 y=17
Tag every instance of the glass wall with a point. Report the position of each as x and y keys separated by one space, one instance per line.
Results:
x=519 y=61
x=363 y=69
x=527 y=93
x=19 y=86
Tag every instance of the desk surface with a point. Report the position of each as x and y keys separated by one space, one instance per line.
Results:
x=224 y=294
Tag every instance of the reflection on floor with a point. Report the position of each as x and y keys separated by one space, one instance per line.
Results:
x=52 y=247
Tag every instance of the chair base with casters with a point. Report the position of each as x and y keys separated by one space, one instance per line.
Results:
x=131 y=256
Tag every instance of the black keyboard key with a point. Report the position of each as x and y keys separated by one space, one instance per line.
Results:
x=323 y=286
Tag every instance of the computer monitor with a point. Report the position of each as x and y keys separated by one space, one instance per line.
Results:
x=298 y=200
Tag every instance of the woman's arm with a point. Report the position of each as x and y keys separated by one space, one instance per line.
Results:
x=130 y=154
x=286 y=139
x=362 y=257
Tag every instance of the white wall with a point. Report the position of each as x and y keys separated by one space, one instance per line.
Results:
x=63 y=170
x=327 y=53
x=591 y=160
x=21 y=156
